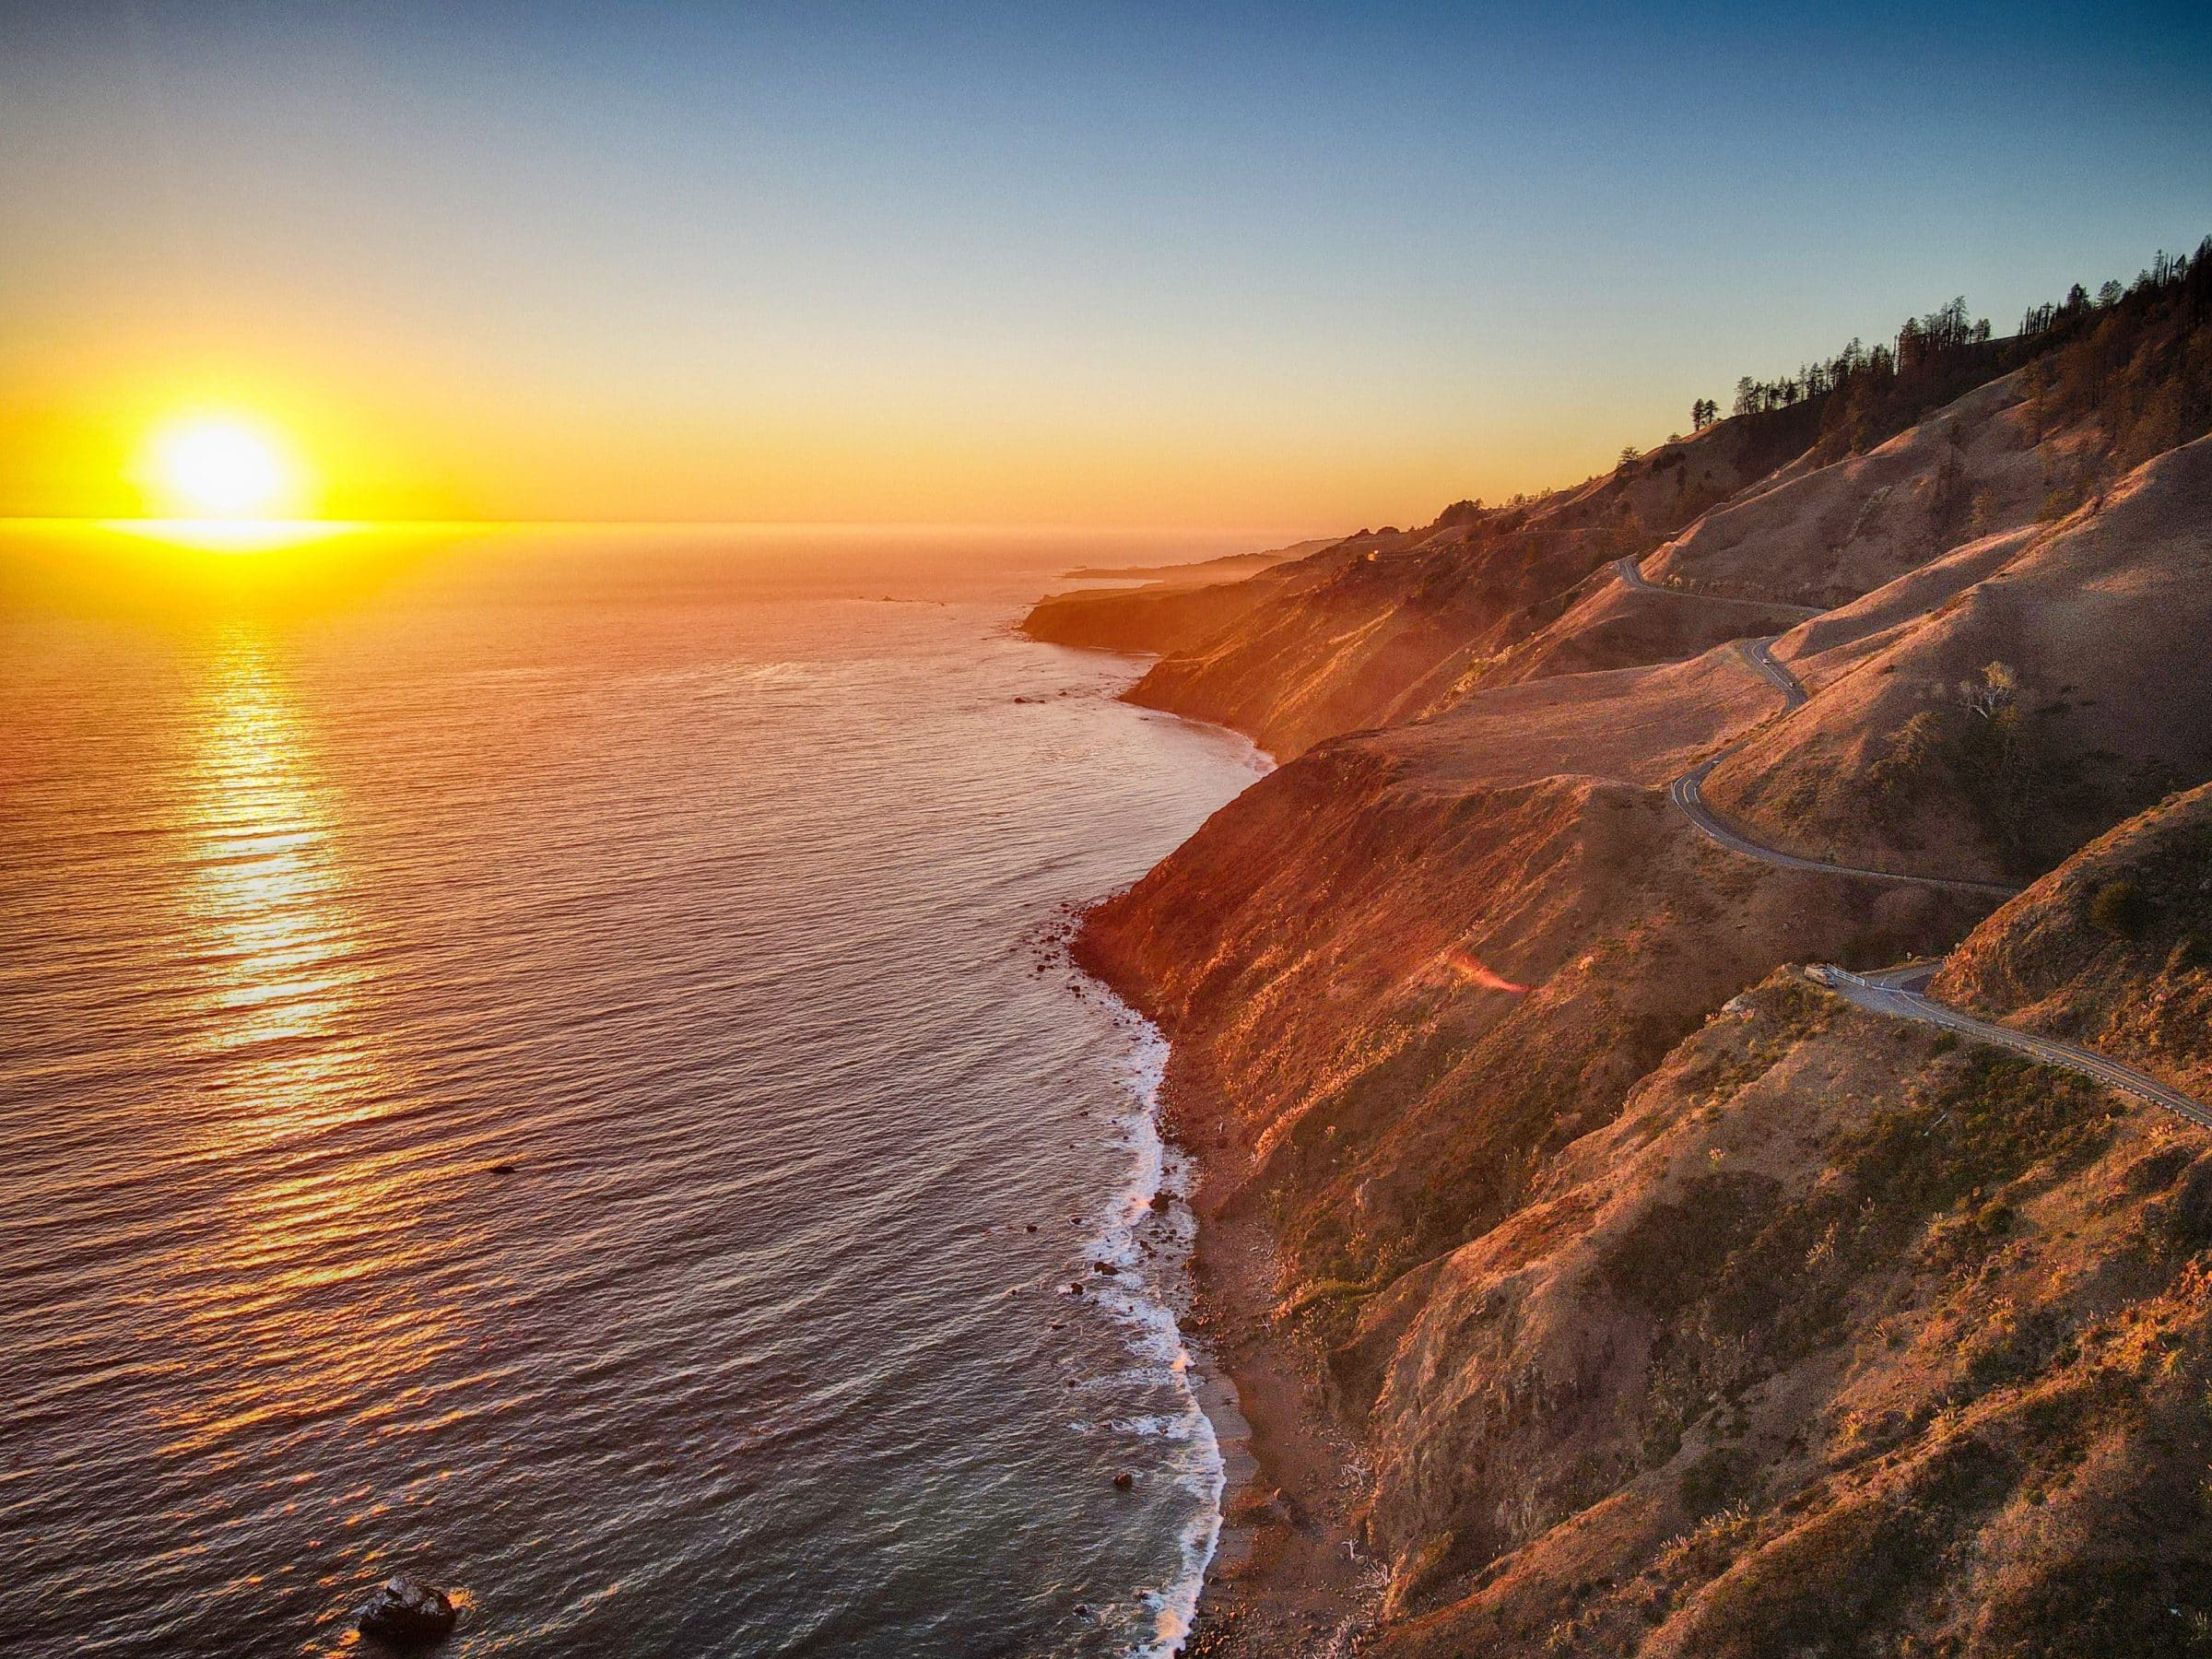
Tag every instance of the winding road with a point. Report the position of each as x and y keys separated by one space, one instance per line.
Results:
x=1897 y=991
x=1632 y=573
x=1900 y=991
x=1759 y=653
x=1687 y=792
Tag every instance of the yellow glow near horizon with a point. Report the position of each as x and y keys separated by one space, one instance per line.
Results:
x=220 y=467
x=232 y=534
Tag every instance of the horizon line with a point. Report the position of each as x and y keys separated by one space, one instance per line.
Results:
x=10 y=521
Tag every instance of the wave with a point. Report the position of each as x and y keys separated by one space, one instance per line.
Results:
x=1148 y=1244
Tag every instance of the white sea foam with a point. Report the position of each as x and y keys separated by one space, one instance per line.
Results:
x=647 y=1015
x=1142 y=1301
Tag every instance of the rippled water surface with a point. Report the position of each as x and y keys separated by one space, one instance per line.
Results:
x=541 y=1068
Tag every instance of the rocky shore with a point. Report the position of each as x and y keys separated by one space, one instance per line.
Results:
x=1592 y=1279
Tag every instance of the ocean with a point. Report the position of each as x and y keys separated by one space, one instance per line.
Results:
x=546 y=1059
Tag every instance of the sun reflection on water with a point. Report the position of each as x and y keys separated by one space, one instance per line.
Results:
x=267 y=903
x=303 y=1295
x=235 y=536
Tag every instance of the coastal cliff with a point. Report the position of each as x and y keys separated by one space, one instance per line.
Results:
x=1645 y=1295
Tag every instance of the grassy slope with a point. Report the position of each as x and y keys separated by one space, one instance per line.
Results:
x=1678 y=1309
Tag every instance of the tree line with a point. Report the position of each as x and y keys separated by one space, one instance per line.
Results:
x=1865 y=396
x=1922 y=343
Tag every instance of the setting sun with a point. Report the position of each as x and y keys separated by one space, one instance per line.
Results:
x=1105 y=830
x=220 y=468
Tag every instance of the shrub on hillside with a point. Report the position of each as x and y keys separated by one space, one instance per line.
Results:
x=2119 y=907
x=1720 y=1477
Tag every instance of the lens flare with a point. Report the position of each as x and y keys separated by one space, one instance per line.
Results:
x=1475 y=973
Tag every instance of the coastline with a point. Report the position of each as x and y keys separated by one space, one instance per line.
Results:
x=1287 y=1576
x=1281 y=1574
x=1149 y=1244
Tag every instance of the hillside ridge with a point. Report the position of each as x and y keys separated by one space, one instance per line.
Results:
x=1492 y=1030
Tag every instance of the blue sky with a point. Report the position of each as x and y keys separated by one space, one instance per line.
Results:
x=1292 y=266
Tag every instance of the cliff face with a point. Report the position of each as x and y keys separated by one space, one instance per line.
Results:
x=1385 y=627
x=1677 y=1306
x=1161 y=608
x=2113 y=949
x=1843 y=1334
x=1156 y=618
x=1837 y=1338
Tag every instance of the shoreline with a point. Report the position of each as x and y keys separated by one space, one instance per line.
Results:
x=1286 y=1577
x=1156 y=1310
x=1290 y=1579
x=1283 y=1575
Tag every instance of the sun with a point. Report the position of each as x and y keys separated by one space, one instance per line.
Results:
x=220 y=467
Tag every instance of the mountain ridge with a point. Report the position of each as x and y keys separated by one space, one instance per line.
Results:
x=1517 y=1073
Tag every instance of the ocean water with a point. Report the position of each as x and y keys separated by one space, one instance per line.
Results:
x=547 y=1061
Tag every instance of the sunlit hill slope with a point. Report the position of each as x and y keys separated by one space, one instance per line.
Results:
x=1672 y=1305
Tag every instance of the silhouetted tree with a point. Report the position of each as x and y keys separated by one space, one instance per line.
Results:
x=2135 y=362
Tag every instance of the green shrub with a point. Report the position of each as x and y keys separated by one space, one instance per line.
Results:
x=2119 y=908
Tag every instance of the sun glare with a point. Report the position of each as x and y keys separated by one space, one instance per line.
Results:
x=221 y=468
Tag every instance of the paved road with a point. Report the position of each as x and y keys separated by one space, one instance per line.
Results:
x=1632 y=573
x=1897 y=991
x=1685 y=791
x=1900 y=991
x=1759 y=653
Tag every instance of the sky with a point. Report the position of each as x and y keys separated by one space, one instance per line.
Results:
x=1295 y=267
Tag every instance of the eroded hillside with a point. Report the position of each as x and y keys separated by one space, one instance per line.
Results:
x=1674 y=1305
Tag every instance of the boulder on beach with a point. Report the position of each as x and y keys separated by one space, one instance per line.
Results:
x=406 y=1612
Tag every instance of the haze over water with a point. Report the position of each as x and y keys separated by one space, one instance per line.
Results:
x=540 y=1073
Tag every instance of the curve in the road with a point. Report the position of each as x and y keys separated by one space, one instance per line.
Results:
x=1686 y=791
x=1898 y=990
x=1759 y=653
x=1895 y=992
x=1632 y=573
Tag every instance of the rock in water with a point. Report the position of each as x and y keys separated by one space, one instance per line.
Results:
x=406 y=1612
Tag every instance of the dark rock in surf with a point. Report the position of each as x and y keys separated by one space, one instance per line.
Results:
x=1123 y=1481
x=406 y=1612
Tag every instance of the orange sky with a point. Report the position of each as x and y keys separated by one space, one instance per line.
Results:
x=426 y=427
x=1008 y=264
